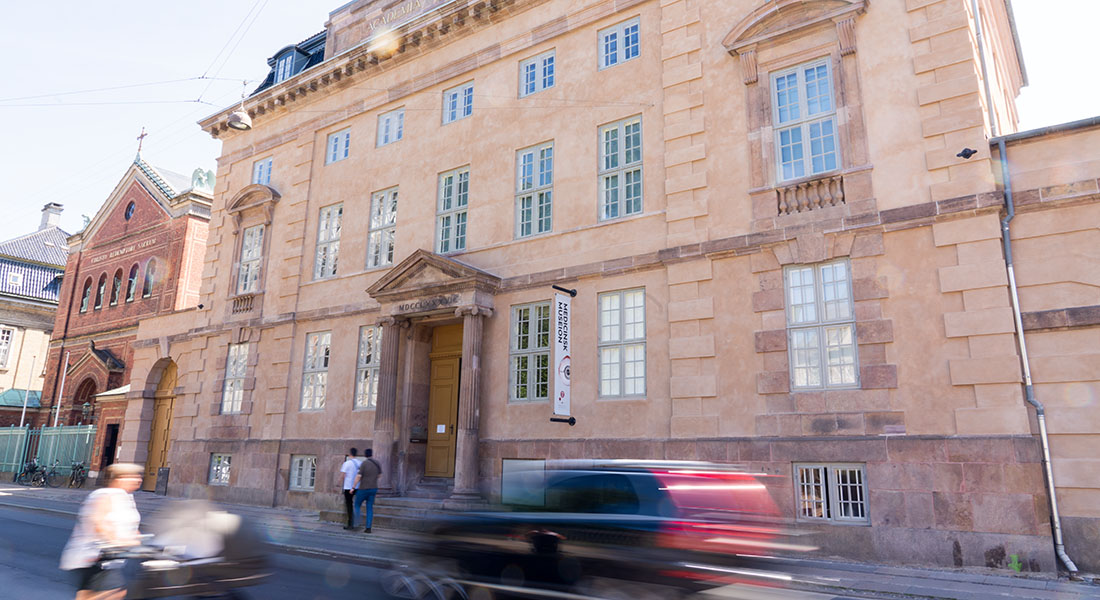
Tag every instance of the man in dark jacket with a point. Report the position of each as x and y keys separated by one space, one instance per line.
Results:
x=366 y=487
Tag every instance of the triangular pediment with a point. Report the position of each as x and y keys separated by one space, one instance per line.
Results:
x=151 y=206
x=424 y=271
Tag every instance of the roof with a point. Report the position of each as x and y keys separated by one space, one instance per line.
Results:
x=312 y=47
x=119 y=391
x=170 y=183
x=47 y=246
x=34 y=280
x=108 y=358
x=14 y=397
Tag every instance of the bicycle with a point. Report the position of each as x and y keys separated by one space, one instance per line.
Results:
x=53 y=477
x=78 y=474
x=32 y=475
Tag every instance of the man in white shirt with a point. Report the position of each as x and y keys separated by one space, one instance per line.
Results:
x=348 y=471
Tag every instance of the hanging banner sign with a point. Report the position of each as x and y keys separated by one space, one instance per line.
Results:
x=561 y=354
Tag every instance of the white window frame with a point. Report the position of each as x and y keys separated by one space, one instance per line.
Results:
x=824 y=320
x=368 y=364
x=391 y=127
x=526 y=348
x=315 y=363
x=805 y=123
x=612 y=41
x=338 y=146
x=261 y=171
x=537 y=73
x=831 y=492
x=236 y=367
x=220 y=468
x=614 y=346
x=535 y=190
x=303 y=472
x=328 y=241
x=620 y=169
x=458 y=102
x=452 y=210
x=382 y=228
x=284 y=68
x=7 y=336
x=251 y=259
x=15 y=279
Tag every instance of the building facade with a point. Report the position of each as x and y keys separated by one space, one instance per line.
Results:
x=140 y=256
x=782 y=256
x=30 y=278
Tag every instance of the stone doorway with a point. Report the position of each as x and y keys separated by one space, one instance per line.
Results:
x=163 y=401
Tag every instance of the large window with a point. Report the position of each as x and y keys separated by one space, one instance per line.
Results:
x=805 y=120
x=535 y=190
x=6 y=336
x=820 y=326
x=303 y=472
x=454 y=192
x=458 y=102
x=370 y=358
x=219 y=468
x=236 y=364
x=285 y=67
x=383 y=228
x=619 y=43
x=836 y=492
x=261 y=171
x=621 y=168
x=391 y=126
x=116 y=287
x=622 y=343
x=328 y=241
x=338 y=146
x=536 y=74
x=315 y=370
x=252 y=254
x=530 y=352
x=131 y=283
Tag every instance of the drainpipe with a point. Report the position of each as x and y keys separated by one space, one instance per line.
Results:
x=1029 y=390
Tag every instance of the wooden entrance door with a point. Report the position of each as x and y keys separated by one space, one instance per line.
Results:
x=159 y=437
x=446 y=359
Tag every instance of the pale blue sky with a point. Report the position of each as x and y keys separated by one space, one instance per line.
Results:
x=54 y=150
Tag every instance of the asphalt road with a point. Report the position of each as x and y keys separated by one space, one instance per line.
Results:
x=31 y=543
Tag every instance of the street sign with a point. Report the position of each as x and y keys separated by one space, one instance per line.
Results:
x=561 y=354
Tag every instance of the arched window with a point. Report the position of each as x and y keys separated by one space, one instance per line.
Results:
x=131 y=283
x=116 y=288
x=150 y=273
x=87 y=295
x=100 y=291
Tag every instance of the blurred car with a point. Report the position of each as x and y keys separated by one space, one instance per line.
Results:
x=605 y=529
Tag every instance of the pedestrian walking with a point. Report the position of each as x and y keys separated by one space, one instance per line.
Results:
x=108 y=519
x=348 y=472
x=366 y=487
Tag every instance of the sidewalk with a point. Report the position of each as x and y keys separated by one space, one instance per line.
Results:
x=299 y=532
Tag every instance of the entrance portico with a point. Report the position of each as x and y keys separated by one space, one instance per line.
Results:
x=433 y=310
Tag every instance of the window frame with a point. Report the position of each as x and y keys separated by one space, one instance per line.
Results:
x=284 y=67
x=540 y=82
x=221 y=468
x=621 y=170
x=804 y=121
x=333 y=151
x=310 y=368
x=618 y=29
x=330 y=244
x=252 y=265
x=15 y=279
x=261 y=171
x=296 y=473
x=384 y=127
x=233 y=379
x=536 y=192
x=833 y=498
x=531 y=352
x=453 y=213
x=463 y=92
x=820 y=324
x=7 y=338
x=621 y=343
x=368 y=365
x=377 y=229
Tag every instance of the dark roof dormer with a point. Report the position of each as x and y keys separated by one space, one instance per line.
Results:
x=294 y=59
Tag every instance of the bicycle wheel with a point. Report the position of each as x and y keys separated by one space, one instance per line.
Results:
x=38 y=479
x=80 y=477
x=54 y=479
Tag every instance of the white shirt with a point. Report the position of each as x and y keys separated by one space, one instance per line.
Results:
x=122 y=516
x=350 y=469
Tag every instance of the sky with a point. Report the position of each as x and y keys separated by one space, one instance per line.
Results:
x=173 y=63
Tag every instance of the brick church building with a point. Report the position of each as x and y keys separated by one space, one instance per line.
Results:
x=140 y=256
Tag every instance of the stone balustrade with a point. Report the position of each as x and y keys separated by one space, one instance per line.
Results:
x=810 y=195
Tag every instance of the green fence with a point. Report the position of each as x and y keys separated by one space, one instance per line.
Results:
x=13 y=444
x=47 y=445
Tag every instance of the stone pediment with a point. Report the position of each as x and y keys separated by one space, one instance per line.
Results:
x=424 y=273
x=780 y=17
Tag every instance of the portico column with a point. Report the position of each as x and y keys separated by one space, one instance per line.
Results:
x=386 y=404
x=469 y=403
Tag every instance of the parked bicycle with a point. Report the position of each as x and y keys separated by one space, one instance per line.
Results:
x=32 y=475
x=54 y=476
x=78 y=474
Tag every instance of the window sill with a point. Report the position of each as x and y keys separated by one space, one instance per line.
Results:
x=364 y=409
x=866 y=523
x=512 y=402
x=311 y=410
x=641 y=398
x=300 y=490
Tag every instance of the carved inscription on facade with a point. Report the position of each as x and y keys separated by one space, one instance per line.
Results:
x=427 y=304
x=123 y=250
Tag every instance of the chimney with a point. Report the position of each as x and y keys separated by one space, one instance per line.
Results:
x=51 y=215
